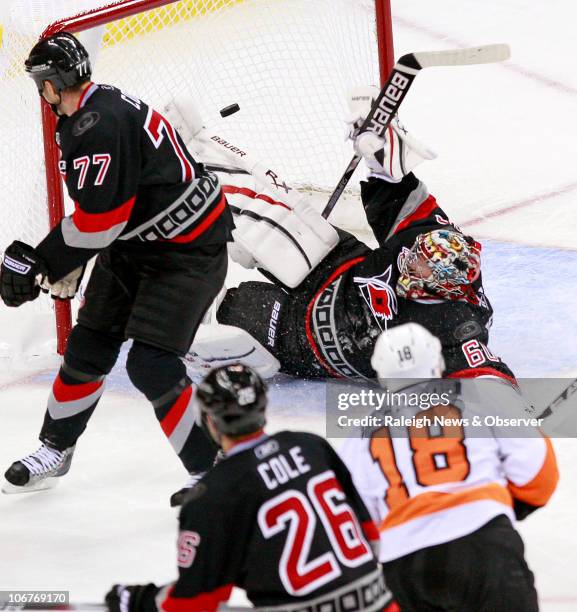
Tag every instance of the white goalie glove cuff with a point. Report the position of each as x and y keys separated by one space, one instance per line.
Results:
x=393 y=156
x=65 y=288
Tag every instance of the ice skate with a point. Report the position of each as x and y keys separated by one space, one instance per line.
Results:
x=38 y=471
x=177 y=499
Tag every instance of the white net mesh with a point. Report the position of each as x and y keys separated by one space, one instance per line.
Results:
x=288 y=63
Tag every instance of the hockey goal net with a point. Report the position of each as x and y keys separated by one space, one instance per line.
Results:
x=287 y=63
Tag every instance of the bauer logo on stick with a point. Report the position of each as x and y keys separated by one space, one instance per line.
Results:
x=388 y=105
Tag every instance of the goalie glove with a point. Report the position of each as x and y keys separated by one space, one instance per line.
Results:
x=391 y=157
x=20 y=274
x=65 y=288
x=360 y=101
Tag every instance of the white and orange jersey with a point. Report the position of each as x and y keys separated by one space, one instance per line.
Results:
x=431 y=476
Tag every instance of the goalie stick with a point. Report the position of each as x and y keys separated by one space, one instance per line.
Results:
x=564 y=395
x=387 y=104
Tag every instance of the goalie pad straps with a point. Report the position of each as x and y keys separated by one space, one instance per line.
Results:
x=288 y=243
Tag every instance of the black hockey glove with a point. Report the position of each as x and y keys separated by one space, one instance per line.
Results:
x=522 y=509
x=134 y=598
x=20 y=267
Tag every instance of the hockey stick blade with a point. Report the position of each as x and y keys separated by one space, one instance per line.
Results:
x=387 y=104
x=485 y=54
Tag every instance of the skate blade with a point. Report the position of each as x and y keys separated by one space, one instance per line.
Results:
x=47 y=483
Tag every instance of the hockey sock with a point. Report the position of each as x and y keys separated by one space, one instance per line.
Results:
x=70 y=406
x=180 y=422
x=161 y=376
x=90 y=355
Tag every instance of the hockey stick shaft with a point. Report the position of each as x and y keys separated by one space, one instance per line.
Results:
x=564 y=395
x=389 y=100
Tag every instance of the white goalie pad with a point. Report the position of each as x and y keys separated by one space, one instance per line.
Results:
x=216 y=345
x=276 y=228
x=288 y=243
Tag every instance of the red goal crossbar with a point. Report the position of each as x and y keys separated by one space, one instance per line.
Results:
x=102 y=16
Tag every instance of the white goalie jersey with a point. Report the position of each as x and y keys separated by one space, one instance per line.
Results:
x=436 y=475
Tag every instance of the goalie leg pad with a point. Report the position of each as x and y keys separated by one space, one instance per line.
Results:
x=259 y=308
x=218 y=345
x=288 y=243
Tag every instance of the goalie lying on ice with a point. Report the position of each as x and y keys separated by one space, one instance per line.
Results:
x=331 y=295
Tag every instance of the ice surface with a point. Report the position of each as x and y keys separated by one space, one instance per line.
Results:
x=507 y=143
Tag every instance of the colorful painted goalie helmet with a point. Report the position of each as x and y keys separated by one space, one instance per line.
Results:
x=441 y=264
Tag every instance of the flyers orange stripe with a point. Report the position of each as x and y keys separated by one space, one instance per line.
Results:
x=538 y=491
x=435 y=501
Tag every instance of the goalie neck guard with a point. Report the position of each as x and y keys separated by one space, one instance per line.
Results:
x=235 y=397
x=60 y=59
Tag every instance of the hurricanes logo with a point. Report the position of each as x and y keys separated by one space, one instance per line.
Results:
x=379 y=296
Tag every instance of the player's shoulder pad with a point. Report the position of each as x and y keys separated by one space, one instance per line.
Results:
x=95 y=123
x=217 y=492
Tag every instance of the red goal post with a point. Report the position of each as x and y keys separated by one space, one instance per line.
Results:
x=124 y=10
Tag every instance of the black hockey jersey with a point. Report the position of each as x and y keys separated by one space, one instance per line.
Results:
x=131 y=179
x=342 y=307
x=280 y=518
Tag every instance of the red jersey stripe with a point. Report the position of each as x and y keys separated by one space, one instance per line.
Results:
x=173 y=416
x=423 y=211
x=484 y=371
x=370 y=530
x=102 y=222
x=69 y=393
x=188 y=170
x=207 y=602
x=249 y=193
x=202 y=227
x=340 y=270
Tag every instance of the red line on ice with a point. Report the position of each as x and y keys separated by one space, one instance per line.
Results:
x=520 y=204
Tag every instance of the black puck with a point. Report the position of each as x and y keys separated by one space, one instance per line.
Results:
x=229 y=110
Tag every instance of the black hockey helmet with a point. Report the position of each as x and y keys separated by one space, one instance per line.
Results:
x=60 y=59
x=235 y=397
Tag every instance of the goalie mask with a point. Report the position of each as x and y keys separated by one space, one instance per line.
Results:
x=441 y=264
x=235 y=397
